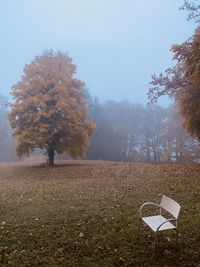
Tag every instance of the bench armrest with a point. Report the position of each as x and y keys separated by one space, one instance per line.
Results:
x=168 y=220
x=149 y=204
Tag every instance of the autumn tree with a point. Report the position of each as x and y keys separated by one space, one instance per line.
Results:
x=49 y=109
x=182 y=82
x=193 y=9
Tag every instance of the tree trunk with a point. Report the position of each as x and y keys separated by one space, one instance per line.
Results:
x=51 y=154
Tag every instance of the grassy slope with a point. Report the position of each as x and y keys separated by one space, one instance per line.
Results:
x=86 y=214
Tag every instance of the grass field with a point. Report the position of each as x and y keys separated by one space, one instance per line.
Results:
x=84 y=213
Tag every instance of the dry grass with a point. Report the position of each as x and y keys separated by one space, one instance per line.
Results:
x=84 y=213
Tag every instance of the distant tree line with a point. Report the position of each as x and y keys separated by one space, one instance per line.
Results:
x=132 y=132
x=125 y=132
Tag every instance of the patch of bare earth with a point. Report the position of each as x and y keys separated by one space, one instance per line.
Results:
x=85 y=213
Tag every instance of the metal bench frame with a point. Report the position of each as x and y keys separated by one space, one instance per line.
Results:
x=158 y=223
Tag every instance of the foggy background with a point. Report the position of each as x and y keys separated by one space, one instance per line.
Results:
x=117 y=45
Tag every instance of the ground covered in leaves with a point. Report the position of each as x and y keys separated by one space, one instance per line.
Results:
x=81 y=213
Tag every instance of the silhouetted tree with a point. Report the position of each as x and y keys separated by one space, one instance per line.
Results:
x=153 y=130
x=7 y=144
x=102 y=139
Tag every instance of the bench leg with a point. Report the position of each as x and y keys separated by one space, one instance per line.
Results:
x=176 y=236
x=139 y=225
x=154 y=245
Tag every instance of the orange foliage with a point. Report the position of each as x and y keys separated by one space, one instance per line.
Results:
x=49 y=109
x=183 y=83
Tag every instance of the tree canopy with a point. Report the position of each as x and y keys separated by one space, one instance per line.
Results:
x=49 y=110
x=182 y=82
x=193 y=9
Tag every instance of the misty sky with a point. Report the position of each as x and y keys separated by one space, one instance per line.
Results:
x=116 y=44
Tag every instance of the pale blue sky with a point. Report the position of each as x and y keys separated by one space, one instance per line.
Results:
x=116 y=44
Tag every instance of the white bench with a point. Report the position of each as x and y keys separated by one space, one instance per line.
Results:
x=158 y=222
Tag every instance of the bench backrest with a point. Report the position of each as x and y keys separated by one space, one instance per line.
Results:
x=170 y=205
